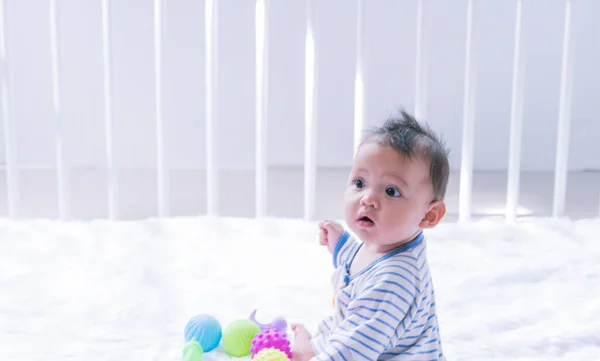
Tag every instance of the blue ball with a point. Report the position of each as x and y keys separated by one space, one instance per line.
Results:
x=206 y=330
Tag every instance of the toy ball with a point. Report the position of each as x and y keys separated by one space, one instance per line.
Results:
x=271 y=354
x=270 y=339
x=193 y=351
x=237 y=337
x=206 y=330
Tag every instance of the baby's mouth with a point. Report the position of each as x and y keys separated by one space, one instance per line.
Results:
x=365 y=221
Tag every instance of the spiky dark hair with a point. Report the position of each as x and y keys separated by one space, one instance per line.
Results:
x=411 y=138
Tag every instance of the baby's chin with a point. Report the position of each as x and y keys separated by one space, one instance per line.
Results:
x=370 y=235
x=375 y=237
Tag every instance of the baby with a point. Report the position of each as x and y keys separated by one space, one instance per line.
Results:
x=384 y=295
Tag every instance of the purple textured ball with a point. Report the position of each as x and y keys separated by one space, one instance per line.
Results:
x=271 y=338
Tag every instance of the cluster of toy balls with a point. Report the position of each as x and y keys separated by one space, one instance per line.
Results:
x=243 y=337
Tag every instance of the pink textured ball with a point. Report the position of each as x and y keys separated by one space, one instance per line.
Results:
x=271 y=338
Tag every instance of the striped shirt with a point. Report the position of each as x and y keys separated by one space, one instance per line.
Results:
x=384 y=312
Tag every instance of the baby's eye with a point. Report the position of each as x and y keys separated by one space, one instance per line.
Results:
x=392 y=192
x=358 y=183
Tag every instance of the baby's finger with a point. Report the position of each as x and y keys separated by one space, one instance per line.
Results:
x=332 y=227
x=324 y=224
x=323 y=237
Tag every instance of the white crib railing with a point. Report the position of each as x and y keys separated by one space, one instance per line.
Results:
x=12 y=171
x=111 y=160
x=261 y=116
x=516 y=121
x=211 y=48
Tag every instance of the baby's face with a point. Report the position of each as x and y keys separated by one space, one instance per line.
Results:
x=387 y=195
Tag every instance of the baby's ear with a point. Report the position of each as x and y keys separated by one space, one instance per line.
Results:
x=434 y=215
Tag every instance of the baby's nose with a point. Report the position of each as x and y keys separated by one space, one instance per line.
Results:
x=370 y=199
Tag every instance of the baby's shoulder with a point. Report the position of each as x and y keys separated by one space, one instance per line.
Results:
x=402 y=268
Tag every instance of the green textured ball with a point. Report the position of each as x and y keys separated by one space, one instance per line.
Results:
x=193 y=351
x=237 y=337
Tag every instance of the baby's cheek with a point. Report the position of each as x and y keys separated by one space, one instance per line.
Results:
x=395 y=225
x=350 y=208
x=349 y=222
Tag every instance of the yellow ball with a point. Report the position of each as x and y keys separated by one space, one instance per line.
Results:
x=271 y=354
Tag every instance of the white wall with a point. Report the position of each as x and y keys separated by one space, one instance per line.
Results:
x=390 y=55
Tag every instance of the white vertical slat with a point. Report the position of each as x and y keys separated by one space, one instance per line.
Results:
x=310 y=114
x=10 y=140
x=359 y=91
x=516 y=121
x=62 y=171
x=162 y=168
x=564 y=117
x=212 y=134
x=261 y=48
x=111 y=160
x=421 y=65
x=468 y=131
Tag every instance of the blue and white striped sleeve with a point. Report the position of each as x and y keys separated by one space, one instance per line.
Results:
x=344 y=247
x=341 y=253
x=375 y=319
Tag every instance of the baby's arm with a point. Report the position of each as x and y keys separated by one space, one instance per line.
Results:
x=337 y=240
x=373 y=322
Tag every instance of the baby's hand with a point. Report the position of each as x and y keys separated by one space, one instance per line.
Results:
x=301 y=349
x=329 y=234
